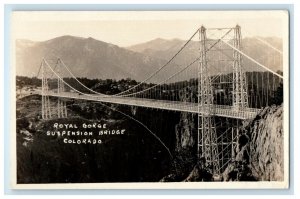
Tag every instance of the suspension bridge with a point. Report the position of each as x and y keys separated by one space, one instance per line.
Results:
x=216 y=79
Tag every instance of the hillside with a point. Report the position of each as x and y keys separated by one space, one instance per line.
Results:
x=86 y=57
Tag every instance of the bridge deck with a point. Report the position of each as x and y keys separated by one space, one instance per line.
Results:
x=217 y=110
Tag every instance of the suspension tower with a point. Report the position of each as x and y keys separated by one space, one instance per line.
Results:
x=61 y=104
x=207 y=137
x=46 y=106
x=47 y=112
x=240 y=89
x=240 y=93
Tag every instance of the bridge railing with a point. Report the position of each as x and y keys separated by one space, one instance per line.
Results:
x=221 y=110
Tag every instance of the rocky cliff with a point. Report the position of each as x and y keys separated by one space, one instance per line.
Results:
x=260 y=149
x=266 y=146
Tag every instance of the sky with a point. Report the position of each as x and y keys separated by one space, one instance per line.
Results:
x=125 y=28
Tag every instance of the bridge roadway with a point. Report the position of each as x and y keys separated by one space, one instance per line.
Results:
x=217 y=110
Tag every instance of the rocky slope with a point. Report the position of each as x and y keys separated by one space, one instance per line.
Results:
x=260 y=149
x=266 y=146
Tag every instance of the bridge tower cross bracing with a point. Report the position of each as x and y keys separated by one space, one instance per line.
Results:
x=207 y=136
x=46 y=106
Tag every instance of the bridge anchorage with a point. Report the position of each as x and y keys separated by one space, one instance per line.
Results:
x=217 y=81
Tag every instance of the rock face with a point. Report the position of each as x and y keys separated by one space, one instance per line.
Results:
x=186 y=129
x=260 y=150
x=266 y=146
x=199 y=174
x=184 y=158
x=185 y=166
x=184 y=132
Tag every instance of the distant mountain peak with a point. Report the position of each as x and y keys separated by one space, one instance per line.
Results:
x=86 y=57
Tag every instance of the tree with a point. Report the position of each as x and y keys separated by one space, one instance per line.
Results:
x=278 y=95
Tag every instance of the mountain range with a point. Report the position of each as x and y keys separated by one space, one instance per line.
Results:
x=91 y=58
x=86 y=57
x=165 y=49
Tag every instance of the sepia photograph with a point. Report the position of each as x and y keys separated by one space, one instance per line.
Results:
x=150 y=99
